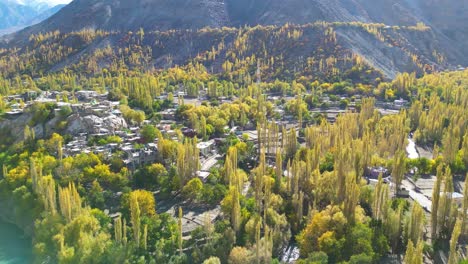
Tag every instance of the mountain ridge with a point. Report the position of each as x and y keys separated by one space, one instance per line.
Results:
x=442 y=17
x=17 y=15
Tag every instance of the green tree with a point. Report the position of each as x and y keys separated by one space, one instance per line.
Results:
x=96 y=195
x=415 y=224
x=212 y=260
x=135 y=218
x=192 y=190
x=453 y=255
x=240 y=255
x=148 y=133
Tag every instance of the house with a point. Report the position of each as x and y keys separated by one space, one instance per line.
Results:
x=85 y=95
x=188 y=132
x=168 y=114
x=400 y=103
x=203 y=175
x=456 y=197
x=206 y=147
x=147 y=156
x=374 y=172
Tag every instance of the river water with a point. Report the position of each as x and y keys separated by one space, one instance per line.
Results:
x=15 y=248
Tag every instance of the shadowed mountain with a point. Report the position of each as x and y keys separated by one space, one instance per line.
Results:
x=447 y=20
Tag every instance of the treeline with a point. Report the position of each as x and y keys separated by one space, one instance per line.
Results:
x=304 y=183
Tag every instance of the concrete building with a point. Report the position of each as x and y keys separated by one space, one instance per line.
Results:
x=206 y=148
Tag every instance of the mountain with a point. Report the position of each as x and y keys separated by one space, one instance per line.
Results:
x=443 y=44
x=15 y=15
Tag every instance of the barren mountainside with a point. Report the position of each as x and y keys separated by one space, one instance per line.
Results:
x=447 y=20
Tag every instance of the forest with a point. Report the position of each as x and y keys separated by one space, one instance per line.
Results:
x=302 y=185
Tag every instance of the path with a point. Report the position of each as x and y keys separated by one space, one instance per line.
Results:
x=209 y=163
x=417 y=196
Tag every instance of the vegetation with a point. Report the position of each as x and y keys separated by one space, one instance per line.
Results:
x=303 y=183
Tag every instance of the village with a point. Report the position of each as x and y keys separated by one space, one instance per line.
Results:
x=94 y=120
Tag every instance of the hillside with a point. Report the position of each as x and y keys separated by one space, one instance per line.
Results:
x=447 y=19
x=319 y=50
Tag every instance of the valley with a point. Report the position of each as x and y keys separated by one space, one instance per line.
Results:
x=236 y=132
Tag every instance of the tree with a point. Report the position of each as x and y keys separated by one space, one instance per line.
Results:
x=361 y=259
x=212 y=260
x=156 y=171
x=447 y=209
x=415 y=224
x=179 y=242
x=410 y=253
x=359 y=241
x=118 y=229
x=279 y=169
x=380 y=199
x=317 y=257
x=149 y=133
x=398 y=171
x=465 y=206
x=203 y=132
x=193 y=189
x=331 y=219
x=96 y=195
x=453 y=256
x=240 y=255
x=236 y=209
x=135 y=218
x=435 y=203
x=70 y=202
x=146 y=202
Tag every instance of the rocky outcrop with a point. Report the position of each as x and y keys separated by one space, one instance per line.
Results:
x=14 y=126
x=93 y=124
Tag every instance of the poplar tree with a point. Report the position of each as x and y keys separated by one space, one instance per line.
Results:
x=33 y=174
x=202 y=131
x=279 y=169
x=409 y=255
x=453 y=255
x=236 y=210
x=352 y=197
x=180 y=230
x=446 y=209
x=5 y=171
x=465 y=207
x=451 y=142
x=124 y=232
x=414 y=254
x=392 y=225
x=49 y=194
x=379 y=203
x=415 y=224
x=135 y=218
x=145 y=237
x=435 y=203
x=118 y=229
x=70 y=202
x=398 y=171
x=257 y=239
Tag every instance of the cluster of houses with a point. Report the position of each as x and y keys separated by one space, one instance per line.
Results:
x=94 y=116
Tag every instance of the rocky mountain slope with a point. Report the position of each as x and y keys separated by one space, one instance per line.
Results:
x=447 y=20
x=320 y=50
